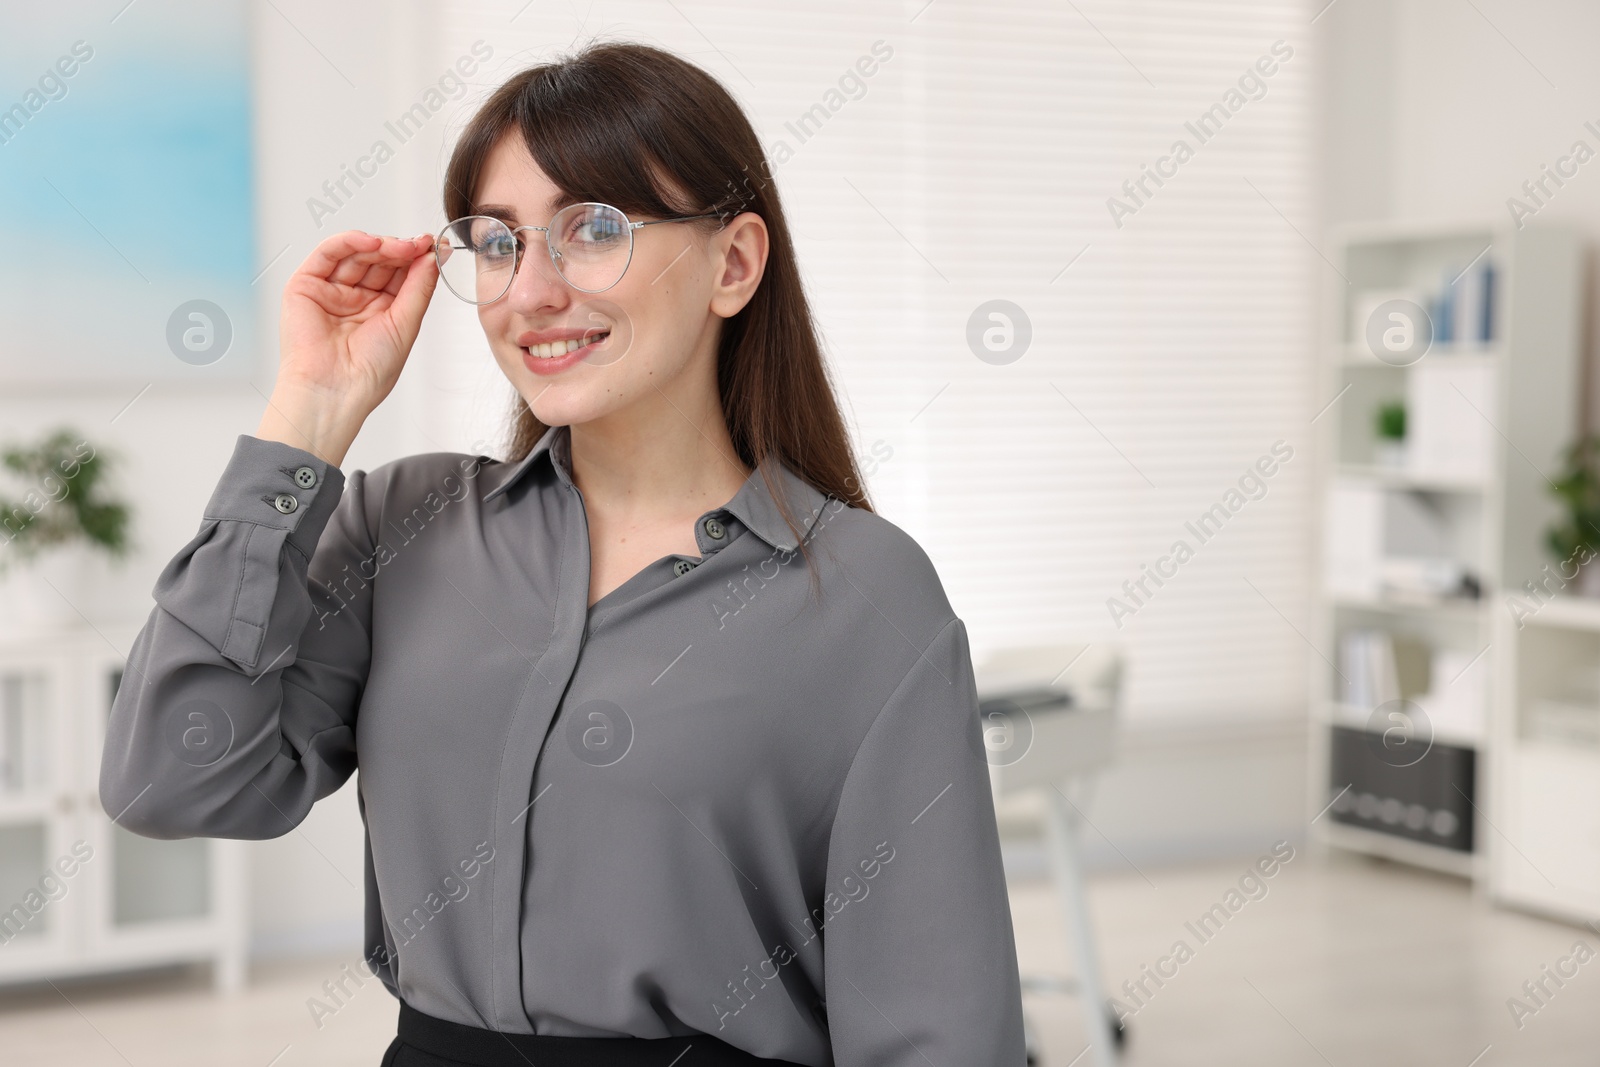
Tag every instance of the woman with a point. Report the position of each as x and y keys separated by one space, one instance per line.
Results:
x=667 y=741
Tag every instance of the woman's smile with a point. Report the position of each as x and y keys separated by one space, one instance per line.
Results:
x=553 y=351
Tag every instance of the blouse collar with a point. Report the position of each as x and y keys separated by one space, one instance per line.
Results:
x=753 y=505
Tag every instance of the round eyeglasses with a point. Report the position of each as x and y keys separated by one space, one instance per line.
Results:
x=590 y=245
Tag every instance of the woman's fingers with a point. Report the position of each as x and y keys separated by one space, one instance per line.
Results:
x=334 y=250
x=336 y=300
x=349 y=258
x=377 y=276
x=425 y=243
x=413 y=289
x=383 y=275
x=368 y=270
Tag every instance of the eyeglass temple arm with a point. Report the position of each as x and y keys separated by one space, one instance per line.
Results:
x=684 y=218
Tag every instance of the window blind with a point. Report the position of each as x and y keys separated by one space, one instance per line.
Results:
x=1027 y=152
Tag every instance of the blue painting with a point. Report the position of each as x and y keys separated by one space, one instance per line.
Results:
x=126 y=175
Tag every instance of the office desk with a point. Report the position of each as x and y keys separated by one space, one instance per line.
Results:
x=1057 y=736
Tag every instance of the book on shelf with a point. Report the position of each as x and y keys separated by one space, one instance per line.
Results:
x=1460 y=307
x=1449 y=686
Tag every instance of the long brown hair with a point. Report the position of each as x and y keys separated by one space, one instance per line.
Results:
x=608 y=124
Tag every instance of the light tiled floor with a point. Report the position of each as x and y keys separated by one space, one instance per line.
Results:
x=1345 y=962
x=1349 y=962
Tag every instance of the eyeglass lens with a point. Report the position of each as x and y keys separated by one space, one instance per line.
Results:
x=591 y=246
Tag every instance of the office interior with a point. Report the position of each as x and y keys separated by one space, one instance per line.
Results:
x=1234 y=364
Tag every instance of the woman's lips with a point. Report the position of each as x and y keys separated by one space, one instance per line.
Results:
x=547 y=359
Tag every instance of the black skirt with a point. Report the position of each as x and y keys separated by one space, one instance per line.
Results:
x=424 y=1041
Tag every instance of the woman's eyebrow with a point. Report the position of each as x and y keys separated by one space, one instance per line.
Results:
x=503 y=212
x=508 y=214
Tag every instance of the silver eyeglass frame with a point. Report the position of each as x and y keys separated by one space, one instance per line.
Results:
x=555 y=257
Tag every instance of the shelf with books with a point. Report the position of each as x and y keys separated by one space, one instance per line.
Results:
x=1448 y=382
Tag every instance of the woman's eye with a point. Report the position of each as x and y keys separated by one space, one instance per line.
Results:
x=500 y=245
x=593 y=231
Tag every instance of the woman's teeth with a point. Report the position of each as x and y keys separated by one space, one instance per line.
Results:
x=561 y=348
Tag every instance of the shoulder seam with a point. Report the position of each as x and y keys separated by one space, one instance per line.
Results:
x=922 y=655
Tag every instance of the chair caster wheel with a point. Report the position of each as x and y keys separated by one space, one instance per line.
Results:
x=1119 y=1029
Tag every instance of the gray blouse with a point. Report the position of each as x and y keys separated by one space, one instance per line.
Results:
x=721 y=800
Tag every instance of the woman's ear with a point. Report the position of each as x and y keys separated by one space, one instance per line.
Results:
x=742 y=248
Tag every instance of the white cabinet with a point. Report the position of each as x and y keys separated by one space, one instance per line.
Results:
x=79 y=893
x=1546 y=780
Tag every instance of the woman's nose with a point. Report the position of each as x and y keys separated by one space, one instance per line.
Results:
x=536 y=285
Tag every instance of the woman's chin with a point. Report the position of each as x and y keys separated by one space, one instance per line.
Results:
x=557 y=403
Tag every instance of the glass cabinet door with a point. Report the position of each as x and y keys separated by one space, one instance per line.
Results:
x=36 y=892
x=151 y=890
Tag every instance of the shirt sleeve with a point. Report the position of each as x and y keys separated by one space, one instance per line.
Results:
x=919 y=955
x=236 y=709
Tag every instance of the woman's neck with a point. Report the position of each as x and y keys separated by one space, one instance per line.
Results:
x=662 y=455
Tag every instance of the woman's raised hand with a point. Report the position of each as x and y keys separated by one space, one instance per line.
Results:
x=351 y=313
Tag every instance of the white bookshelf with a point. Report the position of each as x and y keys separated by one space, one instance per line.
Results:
x=1525 y=383
x=129 y=902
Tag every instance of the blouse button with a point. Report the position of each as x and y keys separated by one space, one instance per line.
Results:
x=285 y=503
x=715 y=530
x=305 y=477
x=682 y=567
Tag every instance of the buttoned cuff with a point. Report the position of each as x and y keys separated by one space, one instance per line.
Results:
x=226 y=582
x=276 y=485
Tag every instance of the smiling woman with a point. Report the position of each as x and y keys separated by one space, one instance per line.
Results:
x=676 y=431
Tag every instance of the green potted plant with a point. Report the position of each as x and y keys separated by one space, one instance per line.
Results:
x=1575 y=537
x=1389 y=424
x=59 y=514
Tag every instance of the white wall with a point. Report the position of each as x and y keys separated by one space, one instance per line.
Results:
x=327 y=77
x=174 y=441
x=1441 y=110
